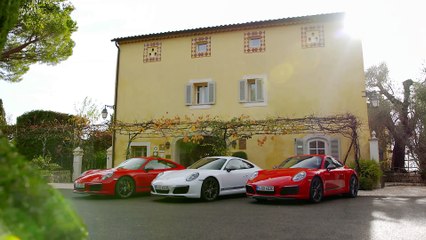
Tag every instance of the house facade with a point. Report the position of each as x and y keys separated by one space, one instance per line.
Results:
x=292 y=68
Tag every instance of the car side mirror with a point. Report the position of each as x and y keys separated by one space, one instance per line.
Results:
x=275 y=167
x=231 y=168
x=331 y=167
x=148 y=169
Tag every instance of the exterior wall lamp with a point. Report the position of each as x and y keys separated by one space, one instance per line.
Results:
x=104 y=112
x=373 y=98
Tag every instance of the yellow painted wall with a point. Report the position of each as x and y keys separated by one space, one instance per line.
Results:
x=319 y=81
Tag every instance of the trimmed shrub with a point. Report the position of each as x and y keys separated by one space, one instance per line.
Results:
x=369 y=174
x=240 y=154
x=30 y=208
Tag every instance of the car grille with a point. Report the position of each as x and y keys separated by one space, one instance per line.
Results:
x=95 y=187
x=249 y=189
x=162 y=191
x=289 y=190
x=266 y=192
x=181 y=190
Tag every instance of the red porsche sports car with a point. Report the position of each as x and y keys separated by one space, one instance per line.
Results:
x=134 y=175
x=309 y=177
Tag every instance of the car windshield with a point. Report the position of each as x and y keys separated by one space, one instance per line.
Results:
x=132 y=163
x=301 y=162
x=208 y=163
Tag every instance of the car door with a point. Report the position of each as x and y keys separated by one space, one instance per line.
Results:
x=235 y=175
x=331 y=182
x=149 y=171
x=341 y=176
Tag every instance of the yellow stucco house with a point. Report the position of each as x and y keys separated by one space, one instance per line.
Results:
x=291 y=67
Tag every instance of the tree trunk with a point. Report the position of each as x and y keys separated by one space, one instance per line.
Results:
x=398 y=156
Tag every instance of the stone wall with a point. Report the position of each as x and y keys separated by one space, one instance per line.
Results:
x=60 y=176
x=403 y=177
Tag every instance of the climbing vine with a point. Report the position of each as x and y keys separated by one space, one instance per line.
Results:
x=194 y=129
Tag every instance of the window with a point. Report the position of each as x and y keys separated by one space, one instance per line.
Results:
x=138 y=151
x=158 y=164
x=236 y=164
x=201 y=47
x=200 y=93
x=317 y=144
x=337 y=163
x=254 y=42
x=252 y=90
x=327 y=162
x=317 y=147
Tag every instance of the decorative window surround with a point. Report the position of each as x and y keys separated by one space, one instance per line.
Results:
x=312 y=36
x=201 y=47
x=254 y=42
x=152 y=52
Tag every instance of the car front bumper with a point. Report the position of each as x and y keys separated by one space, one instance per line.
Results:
x=292 y=191
x=173 y=189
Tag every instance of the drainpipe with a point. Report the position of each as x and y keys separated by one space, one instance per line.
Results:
x=115 y=101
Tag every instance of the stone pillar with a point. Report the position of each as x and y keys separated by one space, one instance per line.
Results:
x=109 y=157
x=78 y=160
x=374 y=147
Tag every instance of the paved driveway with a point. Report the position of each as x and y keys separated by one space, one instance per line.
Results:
x=148 y=217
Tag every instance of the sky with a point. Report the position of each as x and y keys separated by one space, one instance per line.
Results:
x=392 y=31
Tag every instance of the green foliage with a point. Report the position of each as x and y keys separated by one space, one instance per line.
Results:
x=95 y=149
x=2 y=115
x=30 y=208
x=240 y=154
x=208 y=146
x=42 y=34
x=44 y=163
x=43 y=133
x=369 y=174
x=9 y=11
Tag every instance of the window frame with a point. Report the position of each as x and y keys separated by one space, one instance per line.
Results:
x=317 y=148
x=192 y=93
x=245 y=93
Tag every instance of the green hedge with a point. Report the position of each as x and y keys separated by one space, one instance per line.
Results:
x=240 y=154
x=369 y=174
x=30 y=208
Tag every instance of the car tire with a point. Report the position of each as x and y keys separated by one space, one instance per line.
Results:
x=210 y=189
x=124 y=187
x=316 y=190
x=353 y=187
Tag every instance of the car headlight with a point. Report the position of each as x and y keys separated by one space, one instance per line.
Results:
x=159 y=175
x=107 y=175
x=299 y=176
x=253 y=175
x=192 y=177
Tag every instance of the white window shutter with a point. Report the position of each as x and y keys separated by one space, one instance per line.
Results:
x=334 y=148
x=259 y=90
x=243 y=90
x=298 y=146
x=188 y=95
x=211 y=92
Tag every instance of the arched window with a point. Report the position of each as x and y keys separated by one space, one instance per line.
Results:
x=317 y=146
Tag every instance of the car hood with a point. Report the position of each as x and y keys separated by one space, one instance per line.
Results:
x=183 y=174
x=284 y=174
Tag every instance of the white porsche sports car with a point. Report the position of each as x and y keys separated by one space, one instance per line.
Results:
x=207 y=179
